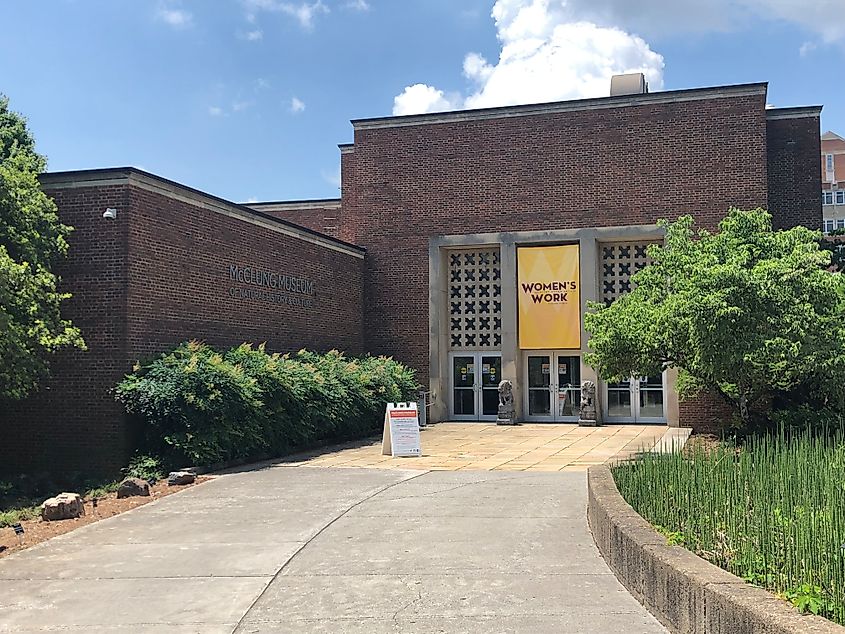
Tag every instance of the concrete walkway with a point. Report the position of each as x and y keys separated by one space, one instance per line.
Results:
x=302 y=549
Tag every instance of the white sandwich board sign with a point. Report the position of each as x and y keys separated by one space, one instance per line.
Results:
x=401 y=435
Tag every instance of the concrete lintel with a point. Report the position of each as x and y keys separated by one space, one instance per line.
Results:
x=600 y=234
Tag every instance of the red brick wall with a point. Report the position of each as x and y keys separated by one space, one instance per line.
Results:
x=587 y=168
x=322 y=219
x=179 y=282
x=156 y=276
x=73 y=423
x=794 y=162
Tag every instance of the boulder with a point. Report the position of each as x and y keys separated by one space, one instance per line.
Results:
x=131 y=487
x=179 y=478
x=65 y=506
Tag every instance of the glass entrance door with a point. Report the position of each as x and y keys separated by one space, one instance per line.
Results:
x=553 y=386
x=475 y=385
x=637 y=400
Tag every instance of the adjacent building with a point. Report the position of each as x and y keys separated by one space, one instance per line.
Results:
x=465 y=244
x=833 y=181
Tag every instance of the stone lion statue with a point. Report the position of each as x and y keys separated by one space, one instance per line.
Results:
x=507 y=409
x=587 y=414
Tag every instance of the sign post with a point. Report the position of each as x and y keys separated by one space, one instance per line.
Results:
x=401 y=436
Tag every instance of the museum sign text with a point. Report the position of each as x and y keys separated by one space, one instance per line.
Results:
x=271 y=286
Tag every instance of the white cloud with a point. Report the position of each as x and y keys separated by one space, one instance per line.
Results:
x=215 y=111
x=358 y=5
x=545 y=56
x=333 y=177
x=421 y=98
x=297 y=105
x=177 y=18
x=240 y=106
x=806 y=48
x=304 y=12
x=254 y=35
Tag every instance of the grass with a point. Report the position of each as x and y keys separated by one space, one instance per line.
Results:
x=771 y=511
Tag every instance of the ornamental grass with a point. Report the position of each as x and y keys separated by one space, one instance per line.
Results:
x=771 y=511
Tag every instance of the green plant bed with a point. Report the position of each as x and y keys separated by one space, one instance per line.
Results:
x=771 y=511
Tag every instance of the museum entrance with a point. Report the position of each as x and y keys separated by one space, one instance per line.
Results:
x=637 y=400
x=552 y=381
x=475 y=378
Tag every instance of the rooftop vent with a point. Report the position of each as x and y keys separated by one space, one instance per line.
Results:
x=631 y=84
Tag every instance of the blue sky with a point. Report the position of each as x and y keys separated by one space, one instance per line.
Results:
x=248 y=99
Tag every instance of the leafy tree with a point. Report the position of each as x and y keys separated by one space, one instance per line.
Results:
x=32 y=241
x=749 y=313
x=835 y=243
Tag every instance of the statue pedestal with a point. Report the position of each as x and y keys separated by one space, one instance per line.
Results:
x=500 y=420
x=587 y=423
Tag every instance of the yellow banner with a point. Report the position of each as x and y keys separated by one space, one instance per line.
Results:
x=549 y=288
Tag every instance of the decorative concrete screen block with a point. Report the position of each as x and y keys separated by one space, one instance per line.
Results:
x=619 y=261
x=475 y=299
x=64 y=506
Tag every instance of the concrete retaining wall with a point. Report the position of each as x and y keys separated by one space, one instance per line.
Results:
x=684 y=592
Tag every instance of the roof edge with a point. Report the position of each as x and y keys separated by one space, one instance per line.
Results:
x=75 y=179
x=315 y=203
x=797 y=112
x=621 y=101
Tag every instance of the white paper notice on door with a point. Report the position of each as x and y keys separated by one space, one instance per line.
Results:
x=401 y=437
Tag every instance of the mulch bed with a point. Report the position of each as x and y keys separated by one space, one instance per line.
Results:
x=37 y=531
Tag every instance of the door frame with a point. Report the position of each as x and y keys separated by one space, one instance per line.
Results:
x=477 y=386
x=635 y=418
x=554 y=389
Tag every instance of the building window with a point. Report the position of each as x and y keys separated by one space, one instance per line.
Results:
x=475 y=299
x=620 y=260
x=839 y=197
x=829 y=225
x=827 y=197
x=829 y=163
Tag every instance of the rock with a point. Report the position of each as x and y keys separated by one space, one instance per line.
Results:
x=65 y=506
x=179 y=478
x=131 y=487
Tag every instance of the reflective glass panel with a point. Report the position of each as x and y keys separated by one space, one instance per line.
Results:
x=539 y=402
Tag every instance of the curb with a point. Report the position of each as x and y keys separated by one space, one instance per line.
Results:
x=687 y=594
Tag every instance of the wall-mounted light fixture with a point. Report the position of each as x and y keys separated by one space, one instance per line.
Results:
x=110 y=213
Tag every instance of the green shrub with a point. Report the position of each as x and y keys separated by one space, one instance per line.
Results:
x=195 y=406
x=146 y=467
x=209 y=406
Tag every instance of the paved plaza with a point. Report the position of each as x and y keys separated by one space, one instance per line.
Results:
x=487 y=446
x=283 y=547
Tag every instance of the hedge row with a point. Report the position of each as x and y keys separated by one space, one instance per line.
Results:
x=197 y=404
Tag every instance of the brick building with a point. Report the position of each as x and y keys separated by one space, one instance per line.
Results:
x=445 y=222
x=833 y=181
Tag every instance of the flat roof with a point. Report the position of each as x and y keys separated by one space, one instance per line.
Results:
x=310 y=203
x=620 y=101
x=798 y=112
x=74 y=179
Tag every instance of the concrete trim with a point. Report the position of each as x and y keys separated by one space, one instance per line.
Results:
x=801 y=112
x=684 y=592
x=156 y=184
x=347 y=148
x=622 y=101
x=294 y=205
